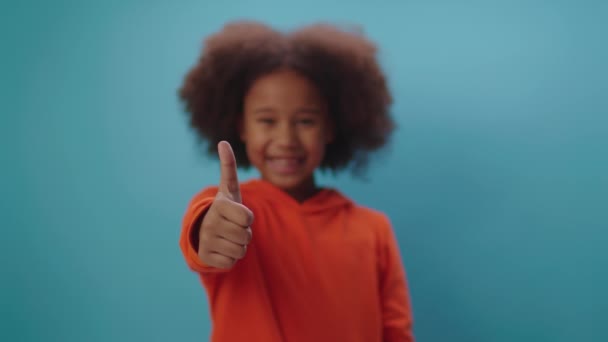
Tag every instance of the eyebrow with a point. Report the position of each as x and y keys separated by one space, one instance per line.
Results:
x=270 y=110
x=263 y=110
x=312 y=110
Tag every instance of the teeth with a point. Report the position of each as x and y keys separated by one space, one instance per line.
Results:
x=286 y=161
x=284 y=165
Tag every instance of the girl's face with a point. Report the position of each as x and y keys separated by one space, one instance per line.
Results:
x=285 y=129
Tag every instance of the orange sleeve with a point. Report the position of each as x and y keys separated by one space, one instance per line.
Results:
x=197 y=207
x=396 y=308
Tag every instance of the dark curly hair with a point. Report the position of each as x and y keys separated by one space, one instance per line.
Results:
x=341 y=63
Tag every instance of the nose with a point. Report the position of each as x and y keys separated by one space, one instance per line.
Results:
x=287 y=135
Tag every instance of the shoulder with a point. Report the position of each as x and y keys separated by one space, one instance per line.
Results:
x=373 y=223
x=374 y=216
x=371 y=216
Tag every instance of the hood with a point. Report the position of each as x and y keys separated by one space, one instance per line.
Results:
x=326 y=200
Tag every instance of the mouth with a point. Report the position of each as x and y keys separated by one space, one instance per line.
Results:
x=285 y=165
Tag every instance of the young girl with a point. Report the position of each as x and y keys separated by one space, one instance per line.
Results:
x=280 y=258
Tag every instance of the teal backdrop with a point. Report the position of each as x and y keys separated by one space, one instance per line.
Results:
x=496 y=181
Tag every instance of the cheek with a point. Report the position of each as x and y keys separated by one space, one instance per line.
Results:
x=255 y=148
x=316 y=145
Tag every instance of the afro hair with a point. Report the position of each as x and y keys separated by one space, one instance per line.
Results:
x=341 y=63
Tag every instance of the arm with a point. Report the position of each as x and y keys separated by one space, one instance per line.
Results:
x=396 y=307
x=189 y=238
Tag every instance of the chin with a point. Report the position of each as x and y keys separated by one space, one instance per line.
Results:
x=286 y=182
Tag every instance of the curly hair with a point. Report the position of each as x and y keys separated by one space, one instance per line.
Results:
x=342 y=64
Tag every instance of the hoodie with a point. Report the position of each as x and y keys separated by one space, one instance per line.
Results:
x=325 y=269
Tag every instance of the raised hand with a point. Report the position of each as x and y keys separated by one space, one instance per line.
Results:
x=226 y=228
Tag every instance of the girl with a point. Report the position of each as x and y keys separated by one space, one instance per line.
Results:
x=282 y=259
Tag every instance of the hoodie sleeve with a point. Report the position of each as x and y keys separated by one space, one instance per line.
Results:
x=188 y=241
x=396 y=308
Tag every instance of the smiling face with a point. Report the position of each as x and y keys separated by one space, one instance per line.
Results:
x=285 y=129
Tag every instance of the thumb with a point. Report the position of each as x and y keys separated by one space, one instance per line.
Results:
x=229 y=182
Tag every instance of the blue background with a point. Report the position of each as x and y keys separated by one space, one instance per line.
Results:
x=496 y=181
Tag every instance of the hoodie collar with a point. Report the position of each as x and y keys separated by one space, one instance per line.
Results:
x=325 y=199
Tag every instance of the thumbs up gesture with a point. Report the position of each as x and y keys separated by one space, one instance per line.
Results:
x=225 y=230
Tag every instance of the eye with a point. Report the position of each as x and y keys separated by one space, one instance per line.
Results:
x=307 y=121
x=265 y=121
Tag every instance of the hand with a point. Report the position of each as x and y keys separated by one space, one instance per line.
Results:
x=225 y=230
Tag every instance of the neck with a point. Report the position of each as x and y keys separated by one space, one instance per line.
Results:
x=303 y=191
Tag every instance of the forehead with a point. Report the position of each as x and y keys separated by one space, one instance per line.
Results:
x=283 y=87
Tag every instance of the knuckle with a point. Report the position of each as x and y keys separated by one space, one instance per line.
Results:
x=245 y=216
x=248 y=235
x=239 y=252
x=236 y=252
x=249 y=217
x=219 y=264
x=220 y=260
x=227 y=263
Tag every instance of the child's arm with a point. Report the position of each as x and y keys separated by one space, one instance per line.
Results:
x=216 y=227
x=396 y=307
x=191 y=224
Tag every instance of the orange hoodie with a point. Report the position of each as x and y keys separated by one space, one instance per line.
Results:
x=325 y=269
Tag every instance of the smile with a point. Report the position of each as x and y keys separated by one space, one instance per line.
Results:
x=284 y=165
